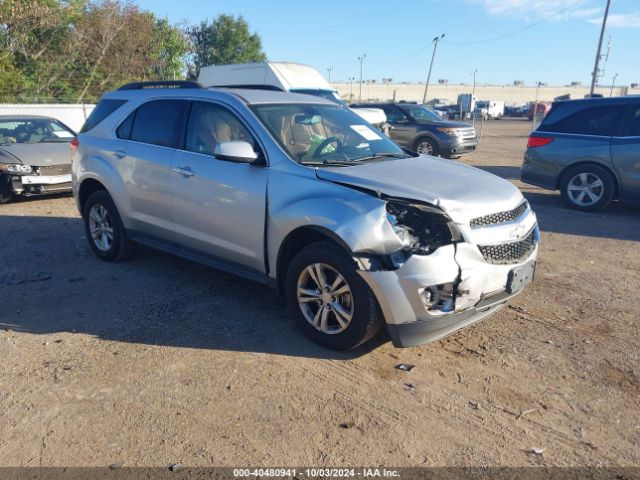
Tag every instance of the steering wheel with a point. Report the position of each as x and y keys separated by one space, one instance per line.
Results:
x=326 y=142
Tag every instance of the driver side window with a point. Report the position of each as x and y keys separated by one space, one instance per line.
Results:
x=395 y=115
x=211 y=124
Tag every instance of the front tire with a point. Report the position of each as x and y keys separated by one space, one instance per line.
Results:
x=587 y=187
x=106 y=234
x=328 y=300
x=5 y=189
x=426 y=146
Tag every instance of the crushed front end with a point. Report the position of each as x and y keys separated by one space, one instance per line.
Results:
x=450 y=275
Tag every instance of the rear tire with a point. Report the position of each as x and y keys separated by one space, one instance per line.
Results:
x=341 y=316
x=106 y=235
x=587 y=187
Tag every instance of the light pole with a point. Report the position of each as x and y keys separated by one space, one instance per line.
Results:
x=594 y=75
x=613 y=84
x=361 y=59
x=473 y=92
x=329 y=70
x=433 y=55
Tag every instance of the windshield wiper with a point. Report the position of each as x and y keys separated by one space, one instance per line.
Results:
x=378 y=156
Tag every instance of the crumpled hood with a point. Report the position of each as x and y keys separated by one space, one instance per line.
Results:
x=37 y=154
x=462 y=191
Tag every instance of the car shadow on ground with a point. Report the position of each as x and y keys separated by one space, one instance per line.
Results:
x=619 y=220
x=56 y=285
x=505 y=171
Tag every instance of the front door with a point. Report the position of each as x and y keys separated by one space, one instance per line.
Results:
x=219 y=205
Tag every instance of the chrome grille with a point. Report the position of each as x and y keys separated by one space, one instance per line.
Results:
x=511 y=252
x=467 y=133
x=500 y=217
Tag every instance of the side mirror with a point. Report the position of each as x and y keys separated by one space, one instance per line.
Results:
x=238 y=151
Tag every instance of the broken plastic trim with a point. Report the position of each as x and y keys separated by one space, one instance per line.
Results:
x=422 y=227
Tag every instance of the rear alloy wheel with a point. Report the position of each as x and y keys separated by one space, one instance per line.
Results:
x=426 y=146
x=329 y=300
x=587 y=188
x=106 y=234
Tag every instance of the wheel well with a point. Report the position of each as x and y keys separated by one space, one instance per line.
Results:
x=425 y=136
x=561 y=177
x=88 y=187
x=296 y=241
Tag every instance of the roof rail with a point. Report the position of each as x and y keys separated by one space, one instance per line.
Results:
x=251 y=87
x=160 y=84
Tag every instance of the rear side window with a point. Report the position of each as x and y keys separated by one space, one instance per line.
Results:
x=158 y=122
x=102 y=110
x=597 y=120
x=631 y=123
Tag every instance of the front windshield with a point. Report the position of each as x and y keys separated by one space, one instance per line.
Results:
x=422 y=114
x=326 y=134
x=326 y=94
x=33 y=130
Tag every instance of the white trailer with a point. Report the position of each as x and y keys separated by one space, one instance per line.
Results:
x=284 y=76
x=489 y=109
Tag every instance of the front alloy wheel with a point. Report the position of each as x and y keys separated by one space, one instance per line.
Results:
x=328 y=299
x=425 y=147
x=325 y=298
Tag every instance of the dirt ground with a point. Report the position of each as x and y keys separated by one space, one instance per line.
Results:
x=159 y=360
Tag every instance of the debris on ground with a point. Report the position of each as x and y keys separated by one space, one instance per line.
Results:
x=525 y=412
x=115 y=466
x=536 y=451
x=405 y=367
x=410 y=387
x=347 y=425
x=474 y=405
x=175 y=466
x=12 y=278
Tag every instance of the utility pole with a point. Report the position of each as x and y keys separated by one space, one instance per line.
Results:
x=594 y=75
x=613 y=84
x=433 y=55
x=329 y=70
x=361 y=59
x=473 y=92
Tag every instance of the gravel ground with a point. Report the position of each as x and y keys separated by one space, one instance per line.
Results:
x=159 y=361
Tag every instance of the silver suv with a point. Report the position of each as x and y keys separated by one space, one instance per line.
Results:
x=301 y=194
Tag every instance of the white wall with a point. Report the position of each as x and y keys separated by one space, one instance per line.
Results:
x=509 y=94
x=72 y=115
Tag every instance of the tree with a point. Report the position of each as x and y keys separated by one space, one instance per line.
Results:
x=225 y=40
x=171 y=46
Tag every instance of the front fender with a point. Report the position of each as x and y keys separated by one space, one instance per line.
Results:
x=356 y=218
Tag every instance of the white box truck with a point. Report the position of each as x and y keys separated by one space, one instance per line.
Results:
x=489 y=109
x=284 y=76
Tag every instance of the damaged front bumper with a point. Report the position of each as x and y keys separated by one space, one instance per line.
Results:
x=40 y=180
x=431 y=296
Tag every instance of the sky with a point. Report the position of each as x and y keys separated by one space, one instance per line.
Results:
x=551 y=41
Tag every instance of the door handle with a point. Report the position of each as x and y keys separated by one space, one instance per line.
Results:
x=186 y=171
x=119 y=153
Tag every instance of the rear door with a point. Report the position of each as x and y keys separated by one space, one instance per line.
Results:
x=144 y=160
x=219 y=205
x=625 y=152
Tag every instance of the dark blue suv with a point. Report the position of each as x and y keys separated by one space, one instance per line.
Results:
x=589 y=149
x=423 y=131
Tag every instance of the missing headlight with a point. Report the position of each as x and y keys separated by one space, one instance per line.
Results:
x=421 y=228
